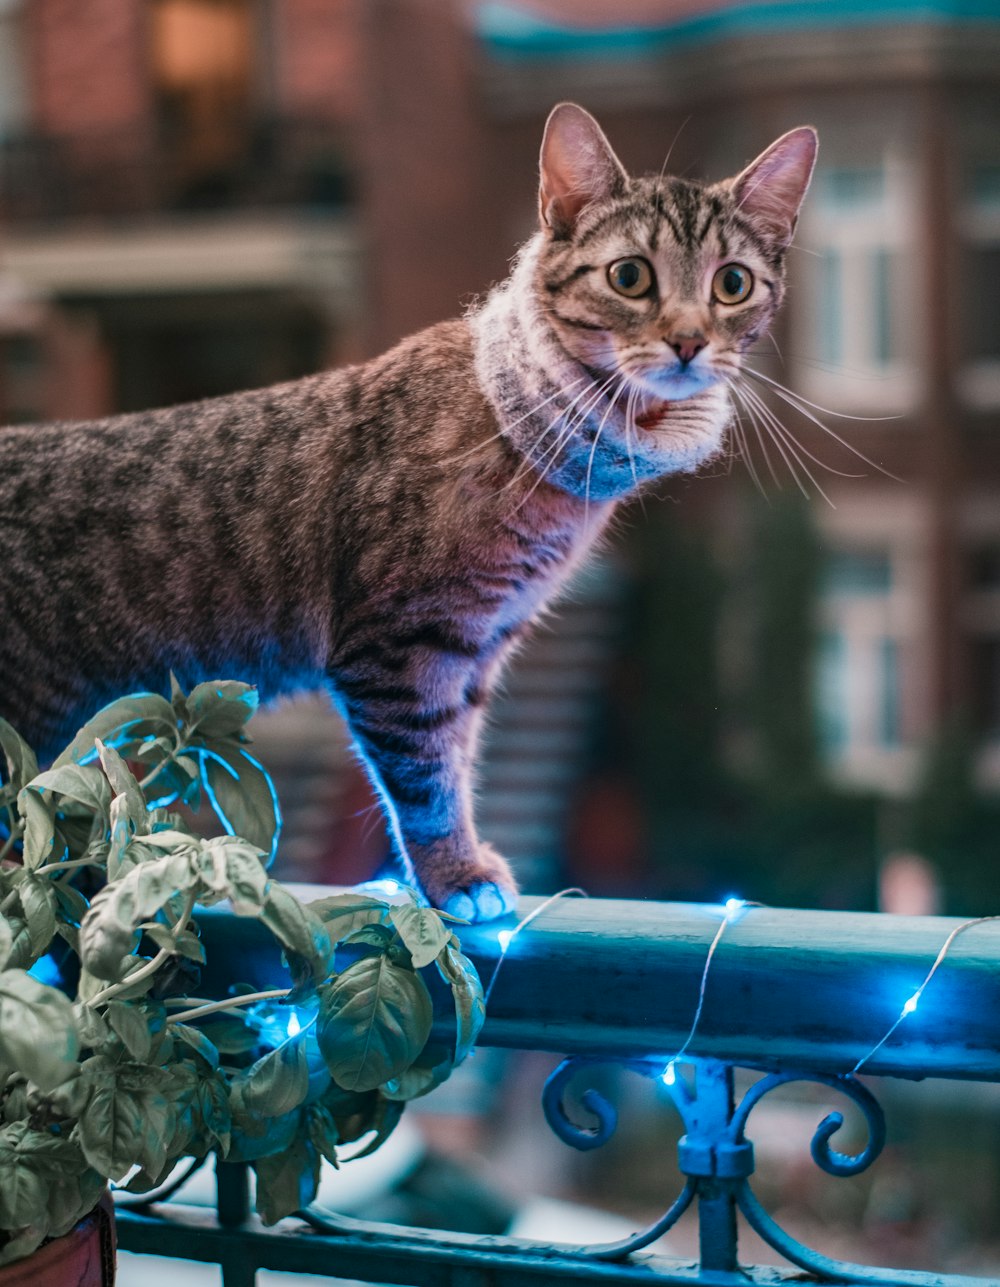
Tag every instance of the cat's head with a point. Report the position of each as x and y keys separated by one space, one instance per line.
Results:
x=663 y=281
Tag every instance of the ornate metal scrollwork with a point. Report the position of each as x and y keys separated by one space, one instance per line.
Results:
x=562 y=1125
x=826 y=1158
x=717 y=1159
x=590 y=1137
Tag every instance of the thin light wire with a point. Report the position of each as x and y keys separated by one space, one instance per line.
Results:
x=510 y=935
x=911 y=1002
x=727 y=919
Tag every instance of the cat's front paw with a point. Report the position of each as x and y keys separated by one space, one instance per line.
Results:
x=483 y=901
x=478 y=891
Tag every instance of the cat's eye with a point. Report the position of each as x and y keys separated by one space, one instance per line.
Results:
x=630 y=277
x=732 y=284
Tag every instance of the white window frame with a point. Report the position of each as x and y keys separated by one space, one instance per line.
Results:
x=863 y=620
x=979 y=378
x=859 y=383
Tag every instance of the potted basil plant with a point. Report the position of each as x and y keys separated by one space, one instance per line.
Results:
x=112 y=1066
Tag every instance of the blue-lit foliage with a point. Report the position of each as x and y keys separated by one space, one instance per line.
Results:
x=138 y=1073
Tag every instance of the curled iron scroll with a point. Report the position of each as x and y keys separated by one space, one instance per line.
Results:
x=553 y=1105
x=826 y=1158
x=588 y=1137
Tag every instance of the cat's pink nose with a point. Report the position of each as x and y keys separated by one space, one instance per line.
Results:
x=688 y=347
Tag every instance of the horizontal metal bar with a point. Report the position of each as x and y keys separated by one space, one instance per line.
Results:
x=811 y=990
x=418 y=1258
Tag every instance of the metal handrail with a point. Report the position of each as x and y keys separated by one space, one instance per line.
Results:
x=681 y=993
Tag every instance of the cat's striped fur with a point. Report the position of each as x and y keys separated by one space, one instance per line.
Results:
x=392 y=529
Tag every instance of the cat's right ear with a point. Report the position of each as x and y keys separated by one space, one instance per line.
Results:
x=577 y=167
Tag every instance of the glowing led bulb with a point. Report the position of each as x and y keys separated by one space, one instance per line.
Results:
x=294 y=1027
x=911 y=1005
x=669 y=1074
x=503 y=938
x=732 y=906
x=386 y=886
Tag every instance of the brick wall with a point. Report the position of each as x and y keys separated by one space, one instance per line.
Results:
x=315 y=53
x=87 y=65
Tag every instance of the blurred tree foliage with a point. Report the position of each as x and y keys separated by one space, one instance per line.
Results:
x=955 y=826
x=769 y=828
x=765 y=823
x=785 y=561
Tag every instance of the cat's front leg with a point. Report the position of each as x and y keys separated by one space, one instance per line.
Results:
x=420 y=757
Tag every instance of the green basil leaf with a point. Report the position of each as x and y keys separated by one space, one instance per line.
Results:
x=300 y=931
x=85 y=784
x=131 y=1026
x=20 y=758
x=467 y=992
x=286 y=1182
x=38 y=1034
x=197 y=1041
x=124 y=724
x=24 y=1194
x=278 y=1082
x=39 y=828
x=242 y=794
x=422 y=930
x=108 y=931
x=220 y=708
x=38 y=900
x=374 y=1020
x=125 y=786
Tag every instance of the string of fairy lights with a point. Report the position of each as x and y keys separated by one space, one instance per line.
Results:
x=733 y=909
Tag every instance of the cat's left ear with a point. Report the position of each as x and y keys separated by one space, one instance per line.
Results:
x=577 y=167
x=770 y=190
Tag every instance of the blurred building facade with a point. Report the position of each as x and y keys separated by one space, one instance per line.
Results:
x=200 y=195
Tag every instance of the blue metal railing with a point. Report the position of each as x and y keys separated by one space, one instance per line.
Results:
x=811 y=996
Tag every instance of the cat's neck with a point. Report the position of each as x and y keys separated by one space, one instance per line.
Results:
x=559 y=414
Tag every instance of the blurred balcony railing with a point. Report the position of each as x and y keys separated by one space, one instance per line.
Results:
x=128 y=172
x=682 y=994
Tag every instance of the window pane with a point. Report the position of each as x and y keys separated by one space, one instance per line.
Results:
x=848 y=188
x=889 y=730
x=857 y=572
x=984 y=185
x=831 y=692
x=882 y=282
x=830 y=307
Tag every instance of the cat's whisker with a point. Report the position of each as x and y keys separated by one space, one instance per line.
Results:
x=583 y=415
x=578 y=419
x=763 y=446
x=545 y=463
x=796 y=404
x=801 y=448
x=630 y=425
x=789 y=456
x=780 y=435
x=632 y=428
x=597 y=437
x=743 y=445
x=827 y=411
x=531 y=459
x=666 y=159
x=514 y=423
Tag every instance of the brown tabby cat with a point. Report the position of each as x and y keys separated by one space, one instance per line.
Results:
x=392 y=529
